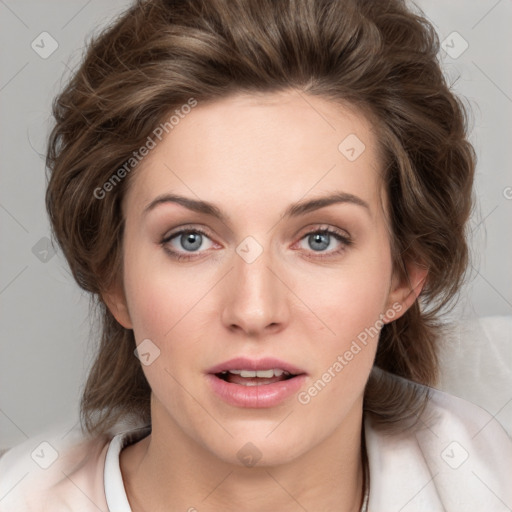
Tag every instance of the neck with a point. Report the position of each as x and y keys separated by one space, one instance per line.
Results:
x=169 y=470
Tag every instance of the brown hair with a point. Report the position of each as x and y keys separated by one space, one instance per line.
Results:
x=378 y=56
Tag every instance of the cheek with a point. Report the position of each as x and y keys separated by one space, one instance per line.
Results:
x=352 y=311
x=162 y=310
x=354 y=297
x=167 y=306
x=350 y=304
x=157 y=296
x=159 y=304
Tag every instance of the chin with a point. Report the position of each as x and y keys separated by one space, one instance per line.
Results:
x=257 y=448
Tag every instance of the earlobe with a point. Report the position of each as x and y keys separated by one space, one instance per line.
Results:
x=115 y=300
x=405 y=291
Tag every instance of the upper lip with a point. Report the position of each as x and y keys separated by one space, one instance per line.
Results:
x=243 y=363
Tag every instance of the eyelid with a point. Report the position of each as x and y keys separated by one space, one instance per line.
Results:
x=178 y=230
x=204 y=231
x=314 y=228
x=345 y=239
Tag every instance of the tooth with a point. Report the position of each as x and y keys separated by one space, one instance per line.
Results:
x=250 y=384
x=265 y=374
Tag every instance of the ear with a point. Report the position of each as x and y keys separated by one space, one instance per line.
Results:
x=405 y=290
x=115 y=299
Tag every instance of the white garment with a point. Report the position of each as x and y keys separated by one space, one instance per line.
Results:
x=458 y=459
x=112 y=478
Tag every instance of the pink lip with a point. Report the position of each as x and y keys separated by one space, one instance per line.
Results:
x=264 y=395
x=243 y=363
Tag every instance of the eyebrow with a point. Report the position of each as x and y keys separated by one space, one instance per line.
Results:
x=294 y=210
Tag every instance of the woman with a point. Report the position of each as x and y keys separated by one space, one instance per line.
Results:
x=269 y=201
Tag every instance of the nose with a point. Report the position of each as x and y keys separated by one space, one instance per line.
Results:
x=255 y=297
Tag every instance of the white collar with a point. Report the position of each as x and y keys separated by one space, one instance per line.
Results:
x=115 y=493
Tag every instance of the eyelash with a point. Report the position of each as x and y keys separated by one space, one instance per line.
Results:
x=345 y=240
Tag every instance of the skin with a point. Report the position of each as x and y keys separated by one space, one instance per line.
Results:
x=253 y=156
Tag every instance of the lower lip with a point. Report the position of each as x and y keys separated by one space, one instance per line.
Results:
x=256 y=397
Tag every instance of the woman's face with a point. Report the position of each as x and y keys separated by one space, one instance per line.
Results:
x=253 y=276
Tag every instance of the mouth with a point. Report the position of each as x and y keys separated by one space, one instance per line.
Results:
x=244 y=382
x=255 y=372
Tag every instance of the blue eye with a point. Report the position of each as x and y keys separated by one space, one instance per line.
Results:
x=187 y=240
x=186 y=243
x=321 y=239
x=191 y=241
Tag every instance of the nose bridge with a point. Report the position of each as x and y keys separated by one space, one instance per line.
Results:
x=255 y=297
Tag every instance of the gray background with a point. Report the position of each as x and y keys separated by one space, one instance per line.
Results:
x=45 y=326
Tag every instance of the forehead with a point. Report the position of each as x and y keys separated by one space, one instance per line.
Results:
x=260 y=149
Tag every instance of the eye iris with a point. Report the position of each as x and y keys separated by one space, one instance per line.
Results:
x=193 y=238
x=320 y=238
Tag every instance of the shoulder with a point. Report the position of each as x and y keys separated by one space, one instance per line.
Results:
x=56 y=471
x=456 y=457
